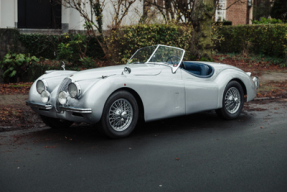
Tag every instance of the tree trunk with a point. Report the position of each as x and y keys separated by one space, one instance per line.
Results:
x=205 y=29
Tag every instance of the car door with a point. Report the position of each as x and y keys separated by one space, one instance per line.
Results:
x=200 y=93
x=163 y=95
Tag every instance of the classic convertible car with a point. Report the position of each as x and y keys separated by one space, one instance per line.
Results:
x=154 y=84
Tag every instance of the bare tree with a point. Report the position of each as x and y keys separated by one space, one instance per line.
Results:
x=91 y=11
x=183 y=11
x=121 y=8
x=197 y=13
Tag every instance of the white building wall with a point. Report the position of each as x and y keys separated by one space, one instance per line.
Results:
x=65 y=15
x=132 y=18
x=76 y=21
x=71 y=18
x=15 y=13
x=8 y=16
x=0 y=12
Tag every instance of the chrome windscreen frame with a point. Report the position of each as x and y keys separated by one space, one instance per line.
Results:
x=174 y=69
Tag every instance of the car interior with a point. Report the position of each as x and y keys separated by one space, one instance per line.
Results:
x=197 y=69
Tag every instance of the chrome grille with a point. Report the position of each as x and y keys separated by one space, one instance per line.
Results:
x=63 y=87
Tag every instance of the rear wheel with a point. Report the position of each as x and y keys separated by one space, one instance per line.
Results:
x=120 y=115
x=232 y=101
x=56 y=123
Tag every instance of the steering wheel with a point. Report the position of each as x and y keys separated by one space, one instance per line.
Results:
x=170 y=58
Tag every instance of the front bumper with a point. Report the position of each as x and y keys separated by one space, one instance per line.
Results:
x=76 y=110
x=62 y=108
x=39 y=105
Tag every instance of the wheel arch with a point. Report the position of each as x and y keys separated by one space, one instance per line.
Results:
x=229 y=75
x=138 y=99
x=241 y=83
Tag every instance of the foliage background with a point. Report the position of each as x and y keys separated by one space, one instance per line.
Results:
x=268 y=40
x=82 y=51
x=125 y=41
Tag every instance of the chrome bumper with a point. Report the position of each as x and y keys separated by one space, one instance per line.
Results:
x=62 y=108
x=76 y=110
x=39 y=105
x=256 y=82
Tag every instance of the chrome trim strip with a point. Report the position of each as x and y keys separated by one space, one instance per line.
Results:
x=153 y=53
x=76 y=110
x=39 y=105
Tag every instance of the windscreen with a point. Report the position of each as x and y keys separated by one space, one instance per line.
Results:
x=169 y=55
x=160 y=54
x=142 y=55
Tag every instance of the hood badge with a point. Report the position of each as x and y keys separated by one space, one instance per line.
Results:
x=63 y=65
x=71 y=75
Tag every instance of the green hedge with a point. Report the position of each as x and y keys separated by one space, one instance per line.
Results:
x=127 y=40
x=258 y=39
x=47 y=45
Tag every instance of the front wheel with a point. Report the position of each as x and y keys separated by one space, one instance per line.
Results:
x=232 y=101
x=56 y=123
x=120 y=115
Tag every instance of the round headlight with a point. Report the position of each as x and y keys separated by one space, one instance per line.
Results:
x=40 y=86
x=62 y=97
x=74 y=90
x=45 y=96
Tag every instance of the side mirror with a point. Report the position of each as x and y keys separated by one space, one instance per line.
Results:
x=127 y=70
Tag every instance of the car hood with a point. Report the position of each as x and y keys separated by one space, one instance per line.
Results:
x=138 y=70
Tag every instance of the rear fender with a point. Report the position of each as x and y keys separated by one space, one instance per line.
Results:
x=230 y=74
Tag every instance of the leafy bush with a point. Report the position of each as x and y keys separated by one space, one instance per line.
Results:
x=20 y=67
x=264 y=20
x=15 y=65
x=268 y=40
x=127 y=40
x=68 y=46
x=74 y=49
x=88 y=62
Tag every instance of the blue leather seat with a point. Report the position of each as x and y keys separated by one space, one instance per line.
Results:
x=198 y=69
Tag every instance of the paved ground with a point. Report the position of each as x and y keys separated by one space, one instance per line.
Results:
x=13 y=99
x=273 y=76
x=199 y=152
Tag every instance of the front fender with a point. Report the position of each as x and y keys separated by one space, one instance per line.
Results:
x=97 y=95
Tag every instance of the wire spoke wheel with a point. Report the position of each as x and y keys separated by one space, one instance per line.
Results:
x=120 y=114
x=232 y=100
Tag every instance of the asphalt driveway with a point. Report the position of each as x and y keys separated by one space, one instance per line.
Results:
x=198 y=152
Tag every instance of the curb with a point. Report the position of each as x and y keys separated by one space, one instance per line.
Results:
x=9 y=128
x=266 y=98
x=13 y=128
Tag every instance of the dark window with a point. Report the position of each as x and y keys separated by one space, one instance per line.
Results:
x=39 y=14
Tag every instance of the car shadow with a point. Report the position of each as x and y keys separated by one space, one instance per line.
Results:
x=89 y=134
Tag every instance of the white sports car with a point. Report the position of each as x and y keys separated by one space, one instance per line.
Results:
x=154 y=84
